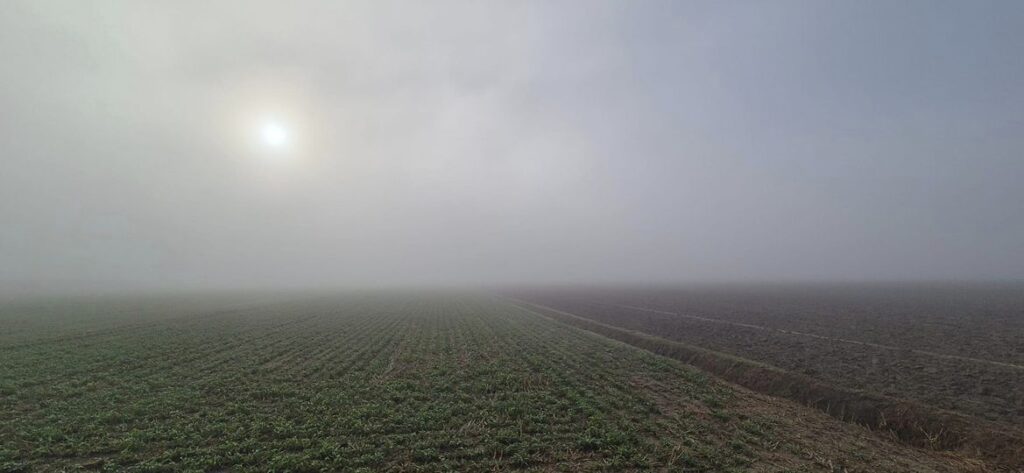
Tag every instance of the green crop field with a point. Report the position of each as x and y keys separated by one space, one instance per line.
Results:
x=415 y=382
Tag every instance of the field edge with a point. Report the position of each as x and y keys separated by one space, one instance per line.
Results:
x=907 y=421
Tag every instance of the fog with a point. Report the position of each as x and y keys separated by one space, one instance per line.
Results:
x=525 y=142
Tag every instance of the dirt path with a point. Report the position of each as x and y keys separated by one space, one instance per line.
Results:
x=821 y=337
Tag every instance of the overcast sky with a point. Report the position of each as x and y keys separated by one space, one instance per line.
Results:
x=516 y=141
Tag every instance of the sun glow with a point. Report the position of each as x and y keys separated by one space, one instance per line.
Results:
x=274 y=135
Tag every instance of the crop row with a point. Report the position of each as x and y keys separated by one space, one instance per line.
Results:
x=416 y=382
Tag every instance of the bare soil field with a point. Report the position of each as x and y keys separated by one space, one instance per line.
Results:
x=959 y=348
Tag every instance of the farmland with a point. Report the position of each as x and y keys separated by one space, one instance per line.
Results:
x=959 y=348
x=413 y=382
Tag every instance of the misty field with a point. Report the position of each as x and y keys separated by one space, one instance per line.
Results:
x=423 y=382
x=957 y=348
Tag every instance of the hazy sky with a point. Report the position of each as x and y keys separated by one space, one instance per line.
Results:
x=515 y=141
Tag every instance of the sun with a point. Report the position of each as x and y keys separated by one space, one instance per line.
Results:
x=275 y=135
